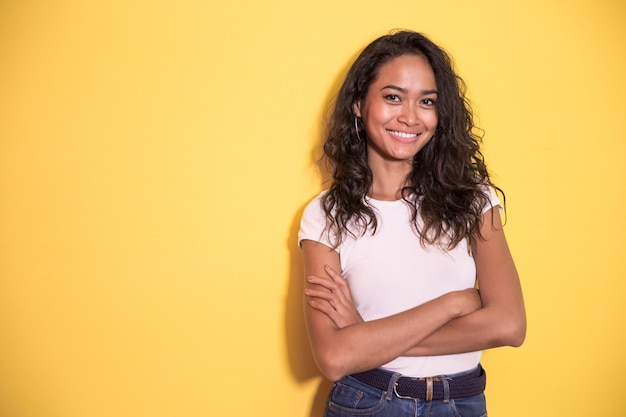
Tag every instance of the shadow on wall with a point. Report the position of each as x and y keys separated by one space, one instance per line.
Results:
x=301 y=360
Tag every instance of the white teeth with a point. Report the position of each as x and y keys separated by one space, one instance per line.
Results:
x=403 y=135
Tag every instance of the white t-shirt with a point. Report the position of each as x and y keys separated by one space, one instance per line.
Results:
x=390 y=272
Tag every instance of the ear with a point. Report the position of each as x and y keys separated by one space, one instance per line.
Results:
x=356 y=108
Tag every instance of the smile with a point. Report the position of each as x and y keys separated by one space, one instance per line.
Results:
x=403 y=135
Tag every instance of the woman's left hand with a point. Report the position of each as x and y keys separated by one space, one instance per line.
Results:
x=339 y=306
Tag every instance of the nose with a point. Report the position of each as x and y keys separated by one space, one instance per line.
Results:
x=409 y=114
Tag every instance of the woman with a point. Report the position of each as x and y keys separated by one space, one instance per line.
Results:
x=394 y=248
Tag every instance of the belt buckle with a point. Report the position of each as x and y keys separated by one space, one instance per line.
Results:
x=429 y=388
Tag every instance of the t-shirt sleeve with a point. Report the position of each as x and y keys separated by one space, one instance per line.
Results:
x=494 y=201
x=313 y=223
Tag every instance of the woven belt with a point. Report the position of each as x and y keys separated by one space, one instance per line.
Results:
x=431 y=388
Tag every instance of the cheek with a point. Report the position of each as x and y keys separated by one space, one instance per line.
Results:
x=373 y=114
x=432 y=125
x=433 y=120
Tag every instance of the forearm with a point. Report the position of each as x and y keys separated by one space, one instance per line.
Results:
x=502 y=319
x=368 y=345
x=483 y=329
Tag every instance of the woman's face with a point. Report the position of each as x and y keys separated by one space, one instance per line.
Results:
x=399 y=110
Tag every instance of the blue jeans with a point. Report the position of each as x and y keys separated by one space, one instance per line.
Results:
x=350 y=397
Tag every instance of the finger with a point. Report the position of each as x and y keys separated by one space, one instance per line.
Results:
x=336 y=298
x=342 y=284
x=324 y=308
x=330 y=270
x=336 y=284
x=324 y=295
x=336 y=317
x=337 y=295
x=322 y=282
x=330 y=293
x=338 y=303
x=333 y=274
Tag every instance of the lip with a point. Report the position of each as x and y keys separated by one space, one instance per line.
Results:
x=404 y=136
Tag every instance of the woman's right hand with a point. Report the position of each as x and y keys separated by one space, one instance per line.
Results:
x=339 y=306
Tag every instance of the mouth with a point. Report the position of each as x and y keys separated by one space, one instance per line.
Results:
x=403 y=135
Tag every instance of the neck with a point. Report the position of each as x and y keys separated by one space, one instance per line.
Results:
x=389 y=178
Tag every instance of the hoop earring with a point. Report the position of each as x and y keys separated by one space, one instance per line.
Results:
x=356 y=127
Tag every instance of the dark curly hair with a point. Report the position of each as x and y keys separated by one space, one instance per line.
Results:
x=448 y=185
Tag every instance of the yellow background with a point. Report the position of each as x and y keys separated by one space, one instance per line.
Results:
x=155 y=157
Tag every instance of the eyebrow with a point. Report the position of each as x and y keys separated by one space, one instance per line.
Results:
x=404 y=90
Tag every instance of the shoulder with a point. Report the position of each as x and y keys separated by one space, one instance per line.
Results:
x=313 y=221
x=314 y=208
x=492 y=198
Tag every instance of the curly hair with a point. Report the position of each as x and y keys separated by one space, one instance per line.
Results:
x=448 y=185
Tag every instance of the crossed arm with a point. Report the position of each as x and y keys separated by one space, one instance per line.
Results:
x=456 y=322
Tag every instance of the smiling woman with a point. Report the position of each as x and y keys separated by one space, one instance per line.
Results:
x=399 y=114
x=393 y=250
x=154 y=156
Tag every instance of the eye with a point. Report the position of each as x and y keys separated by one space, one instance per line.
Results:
x=392 y=97
x=429 y=102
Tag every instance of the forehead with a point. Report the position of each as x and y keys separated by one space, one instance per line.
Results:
x=409 y=68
